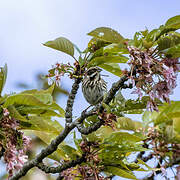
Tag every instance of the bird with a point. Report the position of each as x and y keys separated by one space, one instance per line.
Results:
x=93 y=86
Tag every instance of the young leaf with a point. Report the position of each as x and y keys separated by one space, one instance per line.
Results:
x=3 y=76
x=106 y=34
x=61 y=44
x=112 y=68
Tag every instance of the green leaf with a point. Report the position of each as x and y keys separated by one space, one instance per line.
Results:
x=174 y=51
x=112 y=68
x=15 y=114
x=45 y=124
x=70 y=151
x=128 y=124
x=47 y=137
x=77 y=142
x=168 y=41
x=115 y=49
x=120 y=172
x=168 y=112
x=41 y=111
x=96 y=44
x=148 y=167
x=107 y=59
x=122 y=137
x=100 y=134
x=23 y=99
x=61 y=44
x=3 y=76
x=78 y=50
x=173 y=23
x=81 y=61
x=106 y=34
x=34 y=102
x=176 y=124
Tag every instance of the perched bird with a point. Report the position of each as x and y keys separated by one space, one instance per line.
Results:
x=93 y=86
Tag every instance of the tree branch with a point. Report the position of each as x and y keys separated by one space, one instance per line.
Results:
x=70 y=101
x=62 y=167
x=90 y=129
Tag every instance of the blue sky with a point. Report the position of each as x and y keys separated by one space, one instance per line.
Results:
x=26 y=24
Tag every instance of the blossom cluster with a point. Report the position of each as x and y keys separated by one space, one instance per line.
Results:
x=152 y=75
x=58 y=70
x=15 y=143
x=85 y=172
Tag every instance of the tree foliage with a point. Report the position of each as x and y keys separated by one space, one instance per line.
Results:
x=105 y=136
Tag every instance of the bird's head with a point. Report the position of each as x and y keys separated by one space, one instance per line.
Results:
x=93 y=72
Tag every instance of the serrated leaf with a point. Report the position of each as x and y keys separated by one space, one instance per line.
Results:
x=3 y=76
x=112 y=68
x=106 y=34
x=61 y=44
x=120 y=172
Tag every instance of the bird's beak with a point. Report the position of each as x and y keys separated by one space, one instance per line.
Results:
x=99 y=70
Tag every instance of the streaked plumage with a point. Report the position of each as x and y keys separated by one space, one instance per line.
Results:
x=93 y=86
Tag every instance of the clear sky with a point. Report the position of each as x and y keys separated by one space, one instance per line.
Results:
x=26 y=24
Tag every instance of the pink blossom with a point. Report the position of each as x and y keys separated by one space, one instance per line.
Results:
x=151 y=106
x=5 y=112
x=138 y=92
x=172 y=62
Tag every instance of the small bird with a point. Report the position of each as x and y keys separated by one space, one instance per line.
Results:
x=93 y=86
